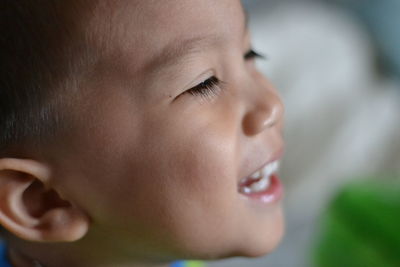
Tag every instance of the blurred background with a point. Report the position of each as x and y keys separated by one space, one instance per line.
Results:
x=336 y=64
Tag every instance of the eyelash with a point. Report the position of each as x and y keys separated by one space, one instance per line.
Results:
x=207 y=89
x=212 y=86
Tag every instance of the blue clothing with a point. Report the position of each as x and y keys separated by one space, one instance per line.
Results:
x=3 y=257
x=178 y=264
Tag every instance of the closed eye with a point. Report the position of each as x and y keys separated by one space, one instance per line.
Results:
x=211 y=87
x=207 y=89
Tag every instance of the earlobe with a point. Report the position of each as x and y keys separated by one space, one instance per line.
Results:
x=31 y=209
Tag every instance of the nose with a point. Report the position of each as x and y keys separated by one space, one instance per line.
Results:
x=265 y=111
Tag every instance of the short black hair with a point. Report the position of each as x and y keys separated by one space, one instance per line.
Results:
x=37 y=61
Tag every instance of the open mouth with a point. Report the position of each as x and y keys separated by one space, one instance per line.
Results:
x=259 y=181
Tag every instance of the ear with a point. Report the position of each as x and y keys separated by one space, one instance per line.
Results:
x=31 y=209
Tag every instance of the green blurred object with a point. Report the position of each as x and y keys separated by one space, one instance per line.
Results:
x=195 y=264
x=361 y=227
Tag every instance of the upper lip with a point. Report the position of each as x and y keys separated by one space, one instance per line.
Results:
x=275 y=156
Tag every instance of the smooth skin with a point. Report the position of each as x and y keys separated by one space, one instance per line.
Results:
x=148 y=172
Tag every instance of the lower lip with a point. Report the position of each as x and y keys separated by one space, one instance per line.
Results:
x=272 y=194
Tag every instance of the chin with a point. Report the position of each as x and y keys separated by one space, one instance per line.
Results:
x=251 y=247
x=263 y=244
x=261 y=250
x=254 y=250
x=257 y=242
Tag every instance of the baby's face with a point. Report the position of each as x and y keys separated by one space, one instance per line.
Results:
x=173 y=119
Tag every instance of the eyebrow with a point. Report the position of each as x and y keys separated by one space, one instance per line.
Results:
x=177 y=51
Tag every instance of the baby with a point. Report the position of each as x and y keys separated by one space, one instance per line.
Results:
x=135 y=133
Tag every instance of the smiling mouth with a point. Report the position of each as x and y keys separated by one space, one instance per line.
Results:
x=259 y=181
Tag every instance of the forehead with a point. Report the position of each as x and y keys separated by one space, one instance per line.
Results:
x=143 y=28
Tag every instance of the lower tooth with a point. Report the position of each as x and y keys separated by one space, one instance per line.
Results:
x=245 y=190
x=260 y=185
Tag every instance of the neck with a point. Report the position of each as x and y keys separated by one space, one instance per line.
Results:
x=18 y=259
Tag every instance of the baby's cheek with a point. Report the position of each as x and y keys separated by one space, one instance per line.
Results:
x=209 y=166
x=206 y=179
